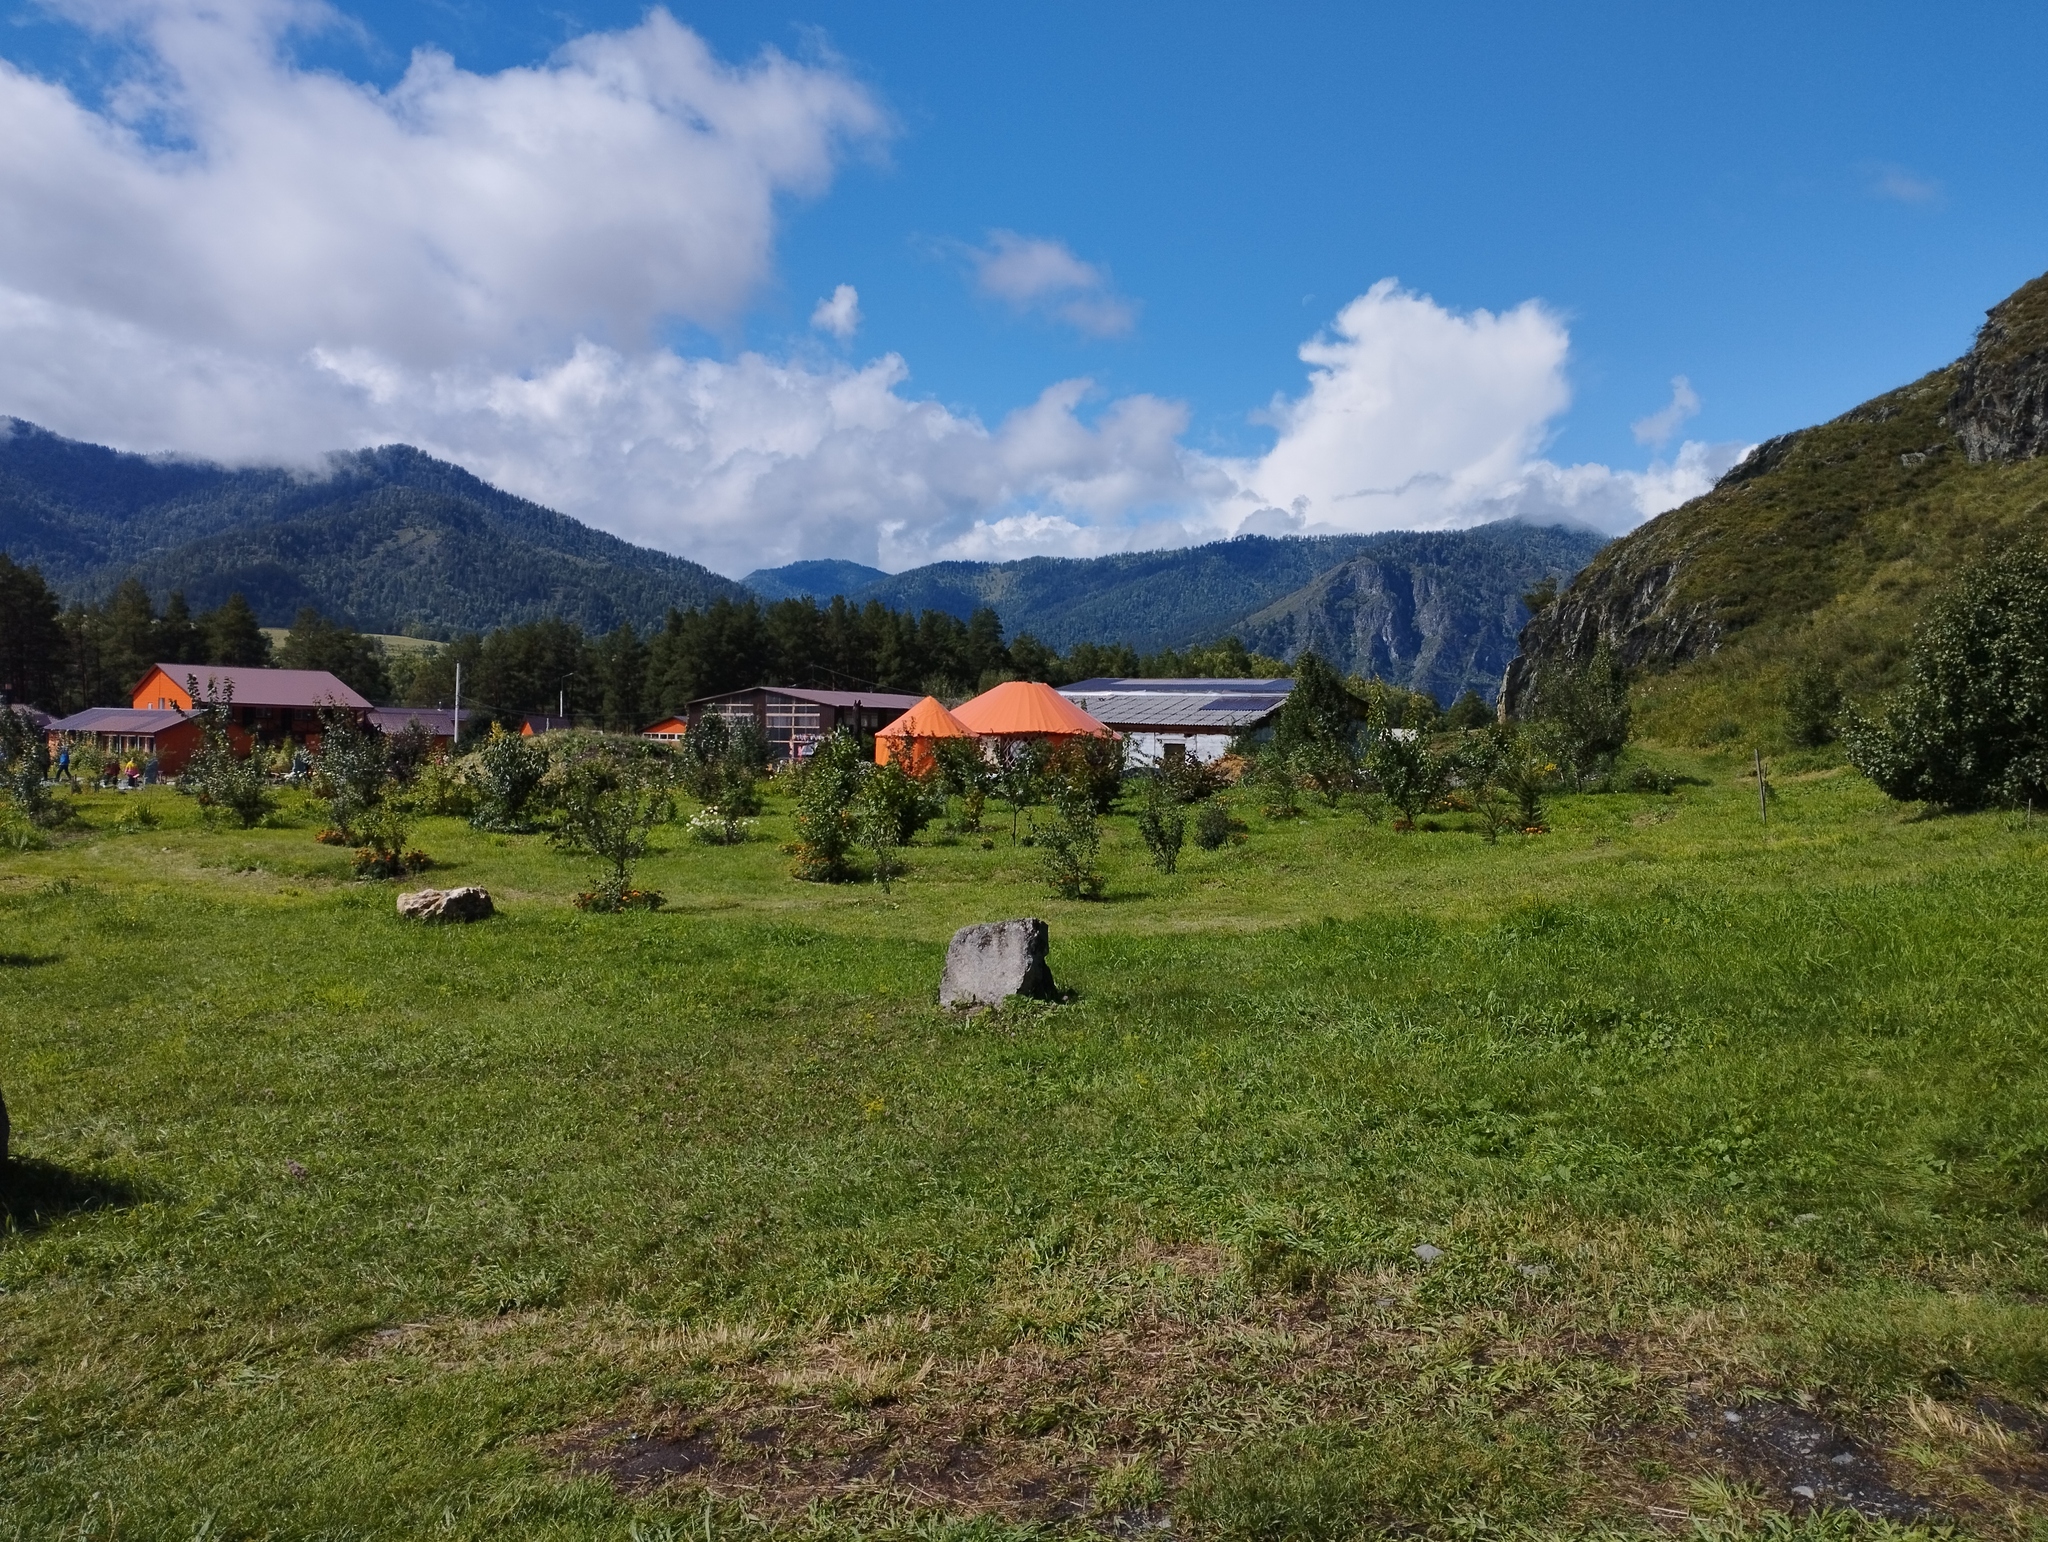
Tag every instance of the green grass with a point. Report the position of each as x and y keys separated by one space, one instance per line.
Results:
x=328 y=1226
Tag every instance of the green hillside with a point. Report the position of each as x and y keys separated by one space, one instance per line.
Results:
x=1436 y=611
x=1819 y=552
x=382 y=539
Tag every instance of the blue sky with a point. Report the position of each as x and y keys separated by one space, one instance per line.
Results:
x=1791 y=207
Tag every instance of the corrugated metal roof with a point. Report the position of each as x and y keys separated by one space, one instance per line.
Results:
x=822 y=698
x=118 y=720
x=1194 y=711
x=268 y=687
x=1122 y=686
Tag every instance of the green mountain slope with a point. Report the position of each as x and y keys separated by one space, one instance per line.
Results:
x=383 y=539
x=1437 y=610
x=1819 y=551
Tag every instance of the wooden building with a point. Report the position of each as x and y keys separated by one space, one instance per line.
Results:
x=168 y=737
x=794 y=719
x=265 y=704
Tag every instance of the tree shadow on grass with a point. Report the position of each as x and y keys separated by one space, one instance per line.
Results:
x=28 y=960
x=35 y=1194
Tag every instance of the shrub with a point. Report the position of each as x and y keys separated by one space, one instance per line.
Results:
x=965 y=772
x=1097 y=763
x=1970 y=726
x=1020 y=775
x=1408 y=771
x=504 y=775
x=1317 y=710
x=1583 y=714
x=383 y=833
x=1161 y=824
x=1468 y=712
x=25 y=770
x=1273 y=775
x=226 y=785
x=1813 y=703
x=1212 y=825
x=350 y=770
x=604 y=799
x=1072 y=839
x=715 y=827
x=825 y=824
x=1483 y=765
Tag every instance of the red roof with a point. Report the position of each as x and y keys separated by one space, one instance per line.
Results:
x=929 y=719
x=254 y=687
x=1026 y=707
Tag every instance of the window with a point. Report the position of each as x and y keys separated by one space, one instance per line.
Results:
x=1175 y=754
x=791 y=725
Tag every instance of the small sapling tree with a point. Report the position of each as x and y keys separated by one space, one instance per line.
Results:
x=604 y=799
x=1020 y=779
x=25 y=770
x=965 y=772
x=351 y=770
x=1072 y=839
x=1212 y=824
x=1408 y=771
x=505 y=773
x=1162 y=824
x=1583 y=714
x=888 y=811
x=826 y=828
x=225 y=784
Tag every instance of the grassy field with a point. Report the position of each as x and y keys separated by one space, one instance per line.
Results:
x=708 y=1222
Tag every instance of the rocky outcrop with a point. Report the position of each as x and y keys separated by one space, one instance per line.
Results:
x=988 y=964
x=1859 y=516
x=2000 y=407
x=1432 y=617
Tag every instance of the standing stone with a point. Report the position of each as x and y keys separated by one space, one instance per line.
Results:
x=465 y=904
x=988 y=964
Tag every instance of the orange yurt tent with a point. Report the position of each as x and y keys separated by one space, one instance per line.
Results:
x=908 y=741
x=1025 y=708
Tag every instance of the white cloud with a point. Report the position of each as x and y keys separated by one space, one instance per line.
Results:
x=1034 y=274
x=1903 y=186
x=838 y=313
x=1656 y=429
x=250 y=261
x=231 y=200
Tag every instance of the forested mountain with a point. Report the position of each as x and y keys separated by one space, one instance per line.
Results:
x=381 y=539
x=816 y=580
x=1437 y=612
x=1815 y=557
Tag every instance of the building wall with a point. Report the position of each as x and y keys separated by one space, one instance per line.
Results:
x=1148 y=747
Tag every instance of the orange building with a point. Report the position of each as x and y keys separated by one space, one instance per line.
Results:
x=264 y=704
x=911 y=741
x=1027 y=709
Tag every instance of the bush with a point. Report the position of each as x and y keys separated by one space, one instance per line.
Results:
x=504 y=774
x=1813 y=703
x=1468 y=712
x=1407 y=770
x=1072 y=839
x=1583 y=714
x=25 y=770
x=1097 y=763
x=604 y=799
x=1161 y=824
x=350 y=770
x=1970 y=726
x=1213 y=825
x=714 y=827
x=1273 y=775
x=965 y=772
x=825 y=821
x=226 y=785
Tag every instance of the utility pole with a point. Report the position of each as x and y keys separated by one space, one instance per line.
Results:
x=458 y=704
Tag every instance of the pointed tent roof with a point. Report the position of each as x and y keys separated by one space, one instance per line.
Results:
x=929 y=719
x=1026 y=707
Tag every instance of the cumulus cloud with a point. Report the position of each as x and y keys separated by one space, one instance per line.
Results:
x=838 y=313
x=246 y=260
x=1033 y=274
x=1656 y=429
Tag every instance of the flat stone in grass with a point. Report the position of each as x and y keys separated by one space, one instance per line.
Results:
x=989 y=963
x=468 y=903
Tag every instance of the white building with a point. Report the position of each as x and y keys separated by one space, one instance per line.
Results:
x=1163 y=721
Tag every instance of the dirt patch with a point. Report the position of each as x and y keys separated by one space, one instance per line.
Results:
x=1801 y=1460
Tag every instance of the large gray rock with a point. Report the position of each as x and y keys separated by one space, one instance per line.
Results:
x=465 y=904
x=988 y=964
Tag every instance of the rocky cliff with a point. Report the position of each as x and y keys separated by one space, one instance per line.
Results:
x=1828 y=539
